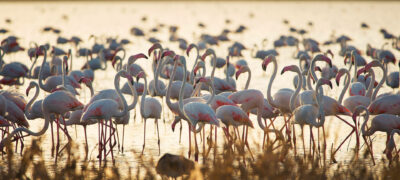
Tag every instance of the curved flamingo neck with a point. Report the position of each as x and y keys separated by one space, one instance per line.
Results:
x=118 y=89
x=321 y=112
x=191 y=78
x=47 y=119
x=380 y=83
x=371 y=84
x=271 y=80
x=161 y=65
x=30 y=69
x=346 y=86
x=248 y=78
x=296 y=93
x=181 y=91
x=358 y=110
x=41 y=85
x=102 y=59
x=143 y=100
x=28 y=106
x=168 y=99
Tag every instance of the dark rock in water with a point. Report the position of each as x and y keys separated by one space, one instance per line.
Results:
x=171 y=165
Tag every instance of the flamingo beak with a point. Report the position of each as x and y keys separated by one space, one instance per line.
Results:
x=141 y=55
x=339 y=75
x=168 y=53
x=266 y=62
x=327 y=82
x=195 y=70
x=330 y=52
x=27 y=90
x=189 y=48
x=237 y=74
x=203 y=57
x=152 y=48
x=113 y=63
x=317 y=68
x=328 y=60
x=360 y=71
x=287 y=68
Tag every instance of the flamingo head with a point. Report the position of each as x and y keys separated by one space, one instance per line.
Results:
x=65 y=61
x=199 y=65
x=339 y=75
x=201 y=80
x=373 y=63
x=361 y=70
x=189 y=48
x=240 y=71
x=267 y=61
x=323 y=81
x=85 y=80
x=317 y=68
x=207 y=53
x=31 y=85
x=330 y=52
x=141 y=74
x=170 y=54
x=154 y=47
x=289 y=68
x=133 y=58
x=177 y=119
x=324 y=58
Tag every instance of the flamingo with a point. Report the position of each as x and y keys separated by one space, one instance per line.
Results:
x=59 y=103
x=53 y=81
x=357 y=87
x=197 y=112
x=149 y=108
x=352 y=102
x=107 y=109
x=391 y=145
x=308 y=113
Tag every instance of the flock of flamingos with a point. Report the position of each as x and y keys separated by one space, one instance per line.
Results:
x=194 y=97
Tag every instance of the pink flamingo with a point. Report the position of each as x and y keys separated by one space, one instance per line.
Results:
x=308 y=113
x=59 y=103
x=352 y=102
x=149 y=108
x=107 y=109
x=391 y=145
x=357 y=87
x=196 y=112
x=53 y=81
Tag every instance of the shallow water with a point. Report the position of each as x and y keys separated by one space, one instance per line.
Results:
x=116 y=19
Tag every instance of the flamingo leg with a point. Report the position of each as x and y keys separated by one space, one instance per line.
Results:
x=196 y=150
x=302 y=137
x=58 y=139
x=86 y=142
x=52 y=139
x=116 y=129
x=144 y=135
x=190 y=141
x=111 y=134
x=180 y=131
x=158 y=134
x=99 y=134
x=294 y=140
x=343 y=142
x=123 y=137
x=204 y=143
x=370 y=149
